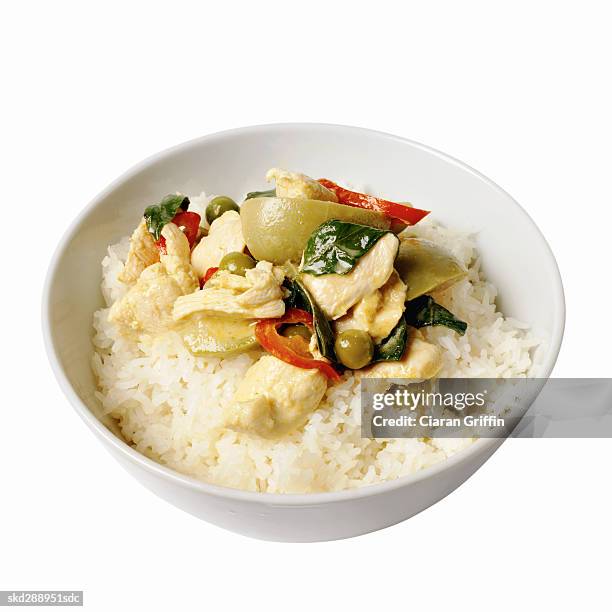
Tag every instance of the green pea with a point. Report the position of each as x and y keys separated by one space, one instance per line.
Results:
x=237 y=263
x=297 y=330
x=219 y=205
x=354 y=348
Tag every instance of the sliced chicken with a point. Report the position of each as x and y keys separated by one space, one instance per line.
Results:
x=147 y=306
x=275 y=398
x=225 y=236
x=176 y=260
x=257 y=295
x=299 y=186
x=379 y=312
x=313 y=347
x=143 y=253
x=336 y=293
x=421 y=360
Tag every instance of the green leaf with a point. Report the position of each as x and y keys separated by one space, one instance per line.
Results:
x=271 y=193
x=424 y=312
x=393 y=346
x=157 y=215
x=335 y=246
x=300 y=298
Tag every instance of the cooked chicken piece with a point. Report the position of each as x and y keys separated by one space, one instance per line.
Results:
x=379 y=312
x=147 y=306
x=336 y=293
x=421 y=360
x=313 y=347
x=176 y=259
x=257 y=295
x=143 y=253
x=224 y=236
x=275 y=398
x=299 y=186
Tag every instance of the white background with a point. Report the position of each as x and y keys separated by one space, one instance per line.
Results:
x=518 y=90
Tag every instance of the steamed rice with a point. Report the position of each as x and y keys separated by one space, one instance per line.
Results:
x=168 y=403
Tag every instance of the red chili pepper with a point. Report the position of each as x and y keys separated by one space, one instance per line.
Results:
x=189 y=222
x=292 y=350
x=404 y=213
x=161 y=245
x=207 y=276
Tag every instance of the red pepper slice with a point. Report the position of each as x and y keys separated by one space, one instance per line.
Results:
x=189 y=222
x=404 y=213
x=292 y=350
x=207 y=276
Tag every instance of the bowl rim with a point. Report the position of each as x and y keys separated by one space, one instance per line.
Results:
x=277 y=499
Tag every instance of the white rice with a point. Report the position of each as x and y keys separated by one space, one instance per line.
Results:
x=168 y=403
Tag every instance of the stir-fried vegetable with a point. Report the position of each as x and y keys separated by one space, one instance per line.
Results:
x=298 y=329
x=189 y=223
x=270 y=193
x=424 y=312
x=425 y=267
x=157 y=215
x=293 y=350
x=237 y=263
x=218 y=206
x=277 y=229
x=393 y=346
x=299 y=297
x=218 y=336
x=335 y=246
x=354 y=348
x=207 y=276
x=394 y=210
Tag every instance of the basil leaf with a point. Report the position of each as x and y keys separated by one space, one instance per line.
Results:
x=335 y=246
x=271 y=193
x=300 y=298
x=393 y=346
x=295 y=299
x=157 y=215
x=424 y=312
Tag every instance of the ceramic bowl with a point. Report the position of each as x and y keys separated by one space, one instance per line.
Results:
x=515 y=255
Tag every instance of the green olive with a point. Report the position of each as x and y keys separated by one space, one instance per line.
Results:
x=277 y=229
x=424 y=267
x=297 y=330
x=237 y=263
x=354 y=348
x=219 y=205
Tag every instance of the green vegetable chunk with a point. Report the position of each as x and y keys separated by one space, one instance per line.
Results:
x=425 y=267
x=277 y=229
x=237 y=263
x=335 y=246
x=354 y=348
x=218 y=336
x=218 y=206
x=300 y=298
x=424 y=312
x=157 y=215
x=393 y=346
x=271 y=193
x=297 y=330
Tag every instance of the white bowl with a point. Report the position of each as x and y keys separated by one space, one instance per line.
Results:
x=515 y=254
